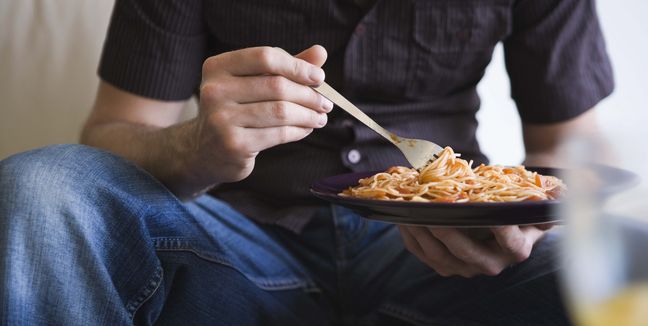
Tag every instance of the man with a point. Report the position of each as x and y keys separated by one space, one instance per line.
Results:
x=128 y=235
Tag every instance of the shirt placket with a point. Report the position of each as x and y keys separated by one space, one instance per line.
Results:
x=366 y=57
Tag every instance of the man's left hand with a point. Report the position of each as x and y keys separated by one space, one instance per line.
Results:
x=452 y=251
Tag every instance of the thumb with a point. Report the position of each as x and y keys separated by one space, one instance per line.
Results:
x=545 y=226
x=315 y=55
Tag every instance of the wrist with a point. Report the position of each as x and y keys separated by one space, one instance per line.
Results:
x=185 y=170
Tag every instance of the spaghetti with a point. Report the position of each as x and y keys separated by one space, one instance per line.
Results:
x=451 y=179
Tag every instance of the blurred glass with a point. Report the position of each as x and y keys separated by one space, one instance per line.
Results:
x=605 y=243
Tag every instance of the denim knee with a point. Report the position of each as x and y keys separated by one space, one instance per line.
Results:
x=50 y=190
x=56 y=163
x=67 y=173
x=71 y=227
x=46 y=175
x=75 y=181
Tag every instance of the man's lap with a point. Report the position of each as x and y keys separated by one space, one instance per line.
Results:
x=226 y=269
x=214 y=263
x=105 y=241
x=363 y=268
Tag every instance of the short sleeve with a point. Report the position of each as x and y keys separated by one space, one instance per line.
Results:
x=155 y=48
x=556 y=59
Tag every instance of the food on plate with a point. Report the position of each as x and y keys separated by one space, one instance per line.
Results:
x=451 y=179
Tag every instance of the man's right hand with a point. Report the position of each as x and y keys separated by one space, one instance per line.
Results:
x=251 y=100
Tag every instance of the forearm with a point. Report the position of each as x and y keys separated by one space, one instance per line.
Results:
x=546 y=159
x=163 y=152
x=560 y=153
x=549 y=145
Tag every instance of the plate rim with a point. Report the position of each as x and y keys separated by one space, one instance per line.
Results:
x=544 y=211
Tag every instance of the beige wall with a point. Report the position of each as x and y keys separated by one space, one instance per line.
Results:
x=48 y=57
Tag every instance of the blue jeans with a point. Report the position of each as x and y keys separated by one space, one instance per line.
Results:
x=87 y=238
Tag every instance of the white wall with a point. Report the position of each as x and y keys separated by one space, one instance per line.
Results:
x=623 y=115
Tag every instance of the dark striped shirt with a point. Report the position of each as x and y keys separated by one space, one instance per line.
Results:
x=413 y=65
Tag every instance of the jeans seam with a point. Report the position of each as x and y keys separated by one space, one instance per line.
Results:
x=340 y=263
x=400 y=313
x=356 y=236
x=148 y=291
x=417 y=318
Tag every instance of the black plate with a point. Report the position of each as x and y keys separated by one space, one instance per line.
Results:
x=462 y=214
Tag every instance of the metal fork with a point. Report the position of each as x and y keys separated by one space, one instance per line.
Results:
x=418 y=152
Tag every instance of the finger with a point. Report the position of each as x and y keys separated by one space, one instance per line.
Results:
x=415 y=248
x=265 y=61
x=411 y=244
x=471 y=252
x=515 y=243
x=258 y=139
x=533 y=234
x=277 y=114
x=437 y=256
x=316 y=55
x=264 y=88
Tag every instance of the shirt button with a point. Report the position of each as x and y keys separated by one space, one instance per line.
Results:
x=354 y=156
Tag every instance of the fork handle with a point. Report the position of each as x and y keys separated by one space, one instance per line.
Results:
x=327 y=91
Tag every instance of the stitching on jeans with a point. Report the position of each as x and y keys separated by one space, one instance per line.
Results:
x=283 y=284
x=171 y=244
x=149 y=290
x=183 y=244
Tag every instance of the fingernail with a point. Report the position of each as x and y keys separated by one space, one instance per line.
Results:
x=326 y=104
x=317 y=75
x=322 y=120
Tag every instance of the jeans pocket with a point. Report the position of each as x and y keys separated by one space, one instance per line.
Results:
x=266 y=265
